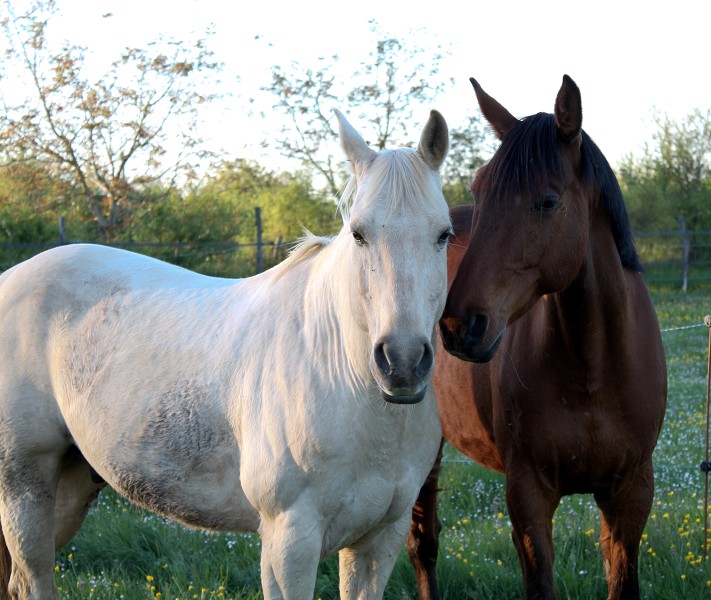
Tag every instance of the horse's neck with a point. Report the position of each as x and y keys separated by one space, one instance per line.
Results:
x=330 y=327
x=594 y=311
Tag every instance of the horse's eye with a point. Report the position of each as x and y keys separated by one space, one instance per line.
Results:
x=546 y=203
x=359 y=240
x=444 y=237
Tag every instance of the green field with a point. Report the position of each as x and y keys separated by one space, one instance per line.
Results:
x=124 y=552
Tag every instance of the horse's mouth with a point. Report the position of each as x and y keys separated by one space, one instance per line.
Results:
x=404 y=398
x=455 y=346
x=480 y=357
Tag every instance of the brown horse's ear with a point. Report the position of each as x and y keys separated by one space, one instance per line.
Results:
x=569 y=110
x=500 y=119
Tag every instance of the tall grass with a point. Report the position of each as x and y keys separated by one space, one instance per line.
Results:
x=124 y=552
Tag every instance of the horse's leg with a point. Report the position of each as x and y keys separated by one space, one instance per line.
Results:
x=423 y=539
x=5 y=567
x=76 y=491
x=78 y=487
x=364 y=568
x=531 y=507
x=291 y=551
x=28 y=485
x=624 y=511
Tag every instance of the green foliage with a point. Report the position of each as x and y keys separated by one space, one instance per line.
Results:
x=672 y=179
x=649 y=207
x=470 y=147
x=211 y=228
x=288 y=202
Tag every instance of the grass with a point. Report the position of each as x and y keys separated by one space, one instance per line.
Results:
x=125 y=553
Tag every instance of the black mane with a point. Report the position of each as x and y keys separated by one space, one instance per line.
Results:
x=530 y=153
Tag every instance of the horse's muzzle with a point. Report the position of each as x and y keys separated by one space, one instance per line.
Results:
x=402 y=370
x=470 y=340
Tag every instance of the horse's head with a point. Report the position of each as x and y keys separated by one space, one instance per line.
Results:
x=530 y=224
x=396 y=230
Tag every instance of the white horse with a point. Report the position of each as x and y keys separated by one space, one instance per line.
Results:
x=295 y=403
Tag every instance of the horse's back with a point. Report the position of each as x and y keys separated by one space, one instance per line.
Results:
x=83 y=299
x=112 y=352
x=86 y=267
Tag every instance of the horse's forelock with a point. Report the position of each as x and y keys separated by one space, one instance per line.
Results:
x=400 y=176
x=528 y=154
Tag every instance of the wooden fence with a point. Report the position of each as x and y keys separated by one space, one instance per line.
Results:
x=680 y=259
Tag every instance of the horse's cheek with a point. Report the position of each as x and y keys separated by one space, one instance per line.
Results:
x=360 y=297
x=437 y=285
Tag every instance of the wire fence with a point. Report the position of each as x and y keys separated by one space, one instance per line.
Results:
x=221 y=259
x=671 y=259
x=679 y=259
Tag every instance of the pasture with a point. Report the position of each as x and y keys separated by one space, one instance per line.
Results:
x=125 y=553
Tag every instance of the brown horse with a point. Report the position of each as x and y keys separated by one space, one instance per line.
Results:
x=554 y=371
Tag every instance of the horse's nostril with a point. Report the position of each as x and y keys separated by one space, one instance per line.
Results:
x=405 y=364
x=475 y=329
x=425 y=365
x=381 y=359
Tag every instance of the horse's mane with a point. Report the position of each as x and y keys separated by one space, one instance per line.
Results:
x=531 y=150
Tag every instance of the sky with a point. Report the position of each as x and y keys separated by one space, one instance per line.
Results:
x=628 y=58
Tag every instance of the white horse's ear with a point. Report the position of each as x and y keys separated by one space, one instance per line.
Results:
x=357 y=151
x=434 y=141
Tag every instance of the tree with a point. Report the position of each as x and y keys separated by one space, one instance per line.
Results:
x=221 y=208
x=470 y=147
x=670 y=185
x=108 y=138
x=683 y=159
x=648 y=205
x=388 y=88
x=672 y=179
x=25 y=190
x=288 y=202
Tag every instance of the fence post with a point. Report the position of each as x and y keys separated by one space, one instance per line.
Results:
x=685 y=251
x=258 y=215
x=706 y=464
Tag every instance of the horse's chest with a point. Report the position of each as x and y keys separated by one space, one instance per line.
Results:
x=573 y=438
x=370 y=504
x=353 y=479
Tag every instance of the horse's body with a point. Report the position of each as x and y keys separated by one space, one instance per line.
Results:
x=295 y=402
x=567 y=389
